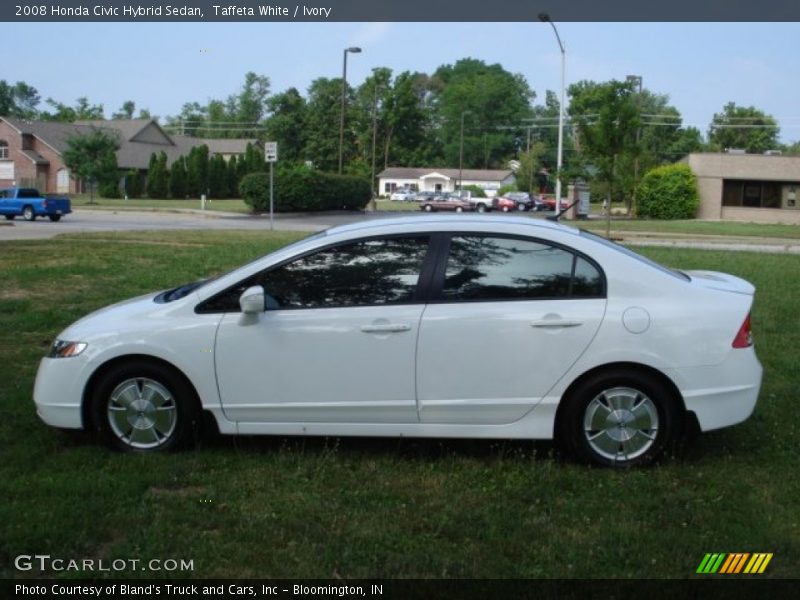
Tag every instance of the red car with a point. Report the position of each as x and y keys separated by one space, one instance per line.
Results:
x=551 y=203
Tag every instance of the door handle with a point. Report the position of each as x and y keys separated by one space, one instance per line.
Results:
x=546 y=324
x=386 y=328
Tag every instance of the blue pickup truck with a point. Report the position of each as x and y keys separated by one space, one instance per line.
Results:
x=29 y=204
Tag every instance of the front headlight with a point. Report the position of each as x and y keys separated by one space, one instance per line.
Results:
x=65 y=349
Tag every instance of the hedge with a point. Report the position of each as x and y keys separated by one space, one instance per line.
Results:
x=301 y=189
x=668 y=192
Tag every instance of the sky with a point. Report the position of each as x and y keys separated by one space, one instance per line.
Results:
x=161 y=66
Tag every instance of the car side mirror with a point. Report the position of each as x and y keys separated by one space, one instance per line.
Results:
x=252 y=300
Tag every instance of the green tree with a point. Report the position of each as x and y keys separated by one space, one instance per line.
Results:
x=492 y=102
x=133 y=184
x=743 y=127
x=158 y=176
x=286 y=124
x=530 y=167
x=19 y=100
x=217 y=177
x=126 y=112
x=91 y=157
x=177 y=179
x=605 y=118
x=322 y=125
x=197 y=171
x=82 y=111
x=233 y=177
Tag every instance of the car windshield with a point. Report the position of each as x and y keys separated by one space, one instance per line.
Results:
x=632 y=254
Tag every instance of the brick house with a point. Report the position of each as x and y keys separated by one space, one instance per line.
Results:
x=30 y=151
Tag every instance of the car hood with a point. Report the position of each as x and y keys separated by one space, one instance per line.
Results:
x=721 y=281
x=135 y=310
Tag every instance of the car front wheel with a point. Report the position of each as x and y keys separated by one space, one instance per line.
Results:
x=144 y=407
x=427 y=208
x=618 y=419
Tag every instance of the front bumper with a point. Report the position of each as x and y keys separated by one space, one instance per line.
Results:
x=58 y=391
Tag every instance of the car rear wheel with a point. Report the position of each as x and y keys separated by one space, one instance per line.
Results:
x=144 y=407
x=427 y=208
x=521 y=207
x=10 y=217
x=618 y=419
x=504 y=209
x=28 y=214
x=459 y=209
x=481 y=208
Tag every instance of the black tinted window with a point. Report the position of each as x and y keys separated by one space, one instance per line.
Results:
x=367 y=272
x=497 y=268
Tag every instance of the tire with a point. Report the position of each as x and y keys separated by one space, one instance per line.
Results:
x=481 y=208
x=10 y=217
x=504 y=209
x=618 y=419
x=55 y=218
x=142 y=406
x=459 y=209
x=521 y=207
x=28 y=214
x=427 y=208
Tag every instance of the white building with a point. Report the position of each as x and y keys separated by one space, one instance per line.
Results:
x=443 y=180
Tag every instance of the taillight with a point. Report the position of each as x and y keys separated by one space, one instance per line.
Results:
x=744 y=338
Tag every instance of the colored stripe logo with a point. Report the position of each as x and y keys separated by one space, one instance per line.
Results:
x=734 y=563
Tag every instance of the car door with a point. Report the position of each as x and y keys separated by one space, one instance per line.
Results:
x=337 y=341
x=510 y=316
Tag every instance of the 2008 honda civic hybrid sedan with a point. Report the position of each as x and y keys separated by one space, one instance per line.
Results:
x=429 y=326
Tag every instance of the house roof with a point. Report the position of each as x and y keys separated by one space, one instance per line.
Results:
x=468 y=174
x=139 y=139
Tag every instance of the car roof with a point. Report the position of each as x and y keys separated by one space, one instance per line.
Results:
x=448 y=223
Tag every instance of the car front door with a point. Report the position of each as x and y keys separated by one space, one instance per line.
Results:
x=336 y=342
x=509 y=318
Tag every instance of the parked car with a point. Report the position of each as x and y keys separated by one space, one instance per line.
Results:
x=403 y=195
x=520 y=201
x=381 y=329
x=28 y=203
x=454 y=204
x=550 y=204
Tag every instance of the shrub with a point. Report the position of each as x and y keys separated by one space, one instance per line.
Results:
x=668 y=192
x=298 y=188
x=133 y=184
x=504 y=189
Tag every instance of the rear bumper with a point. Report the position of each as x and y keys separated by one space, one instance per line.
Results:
x=724 y=394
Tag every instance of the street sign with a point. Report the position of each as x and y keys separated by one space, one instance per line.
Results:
x=271 y=151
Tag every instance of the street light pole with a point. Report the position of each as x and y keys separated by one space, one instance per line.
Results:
x=354 y=50
x=637 y=78
x=461 y=151
x=374 y=136
x=545 y=18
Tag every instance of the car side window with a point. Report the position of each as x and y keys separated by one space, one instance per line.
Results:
x=483 y=267
x=362 y=273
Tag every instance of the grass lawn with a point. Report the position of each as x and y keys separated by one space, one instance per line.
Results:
x=693 y=227
x=326 y=508
x=232 y=205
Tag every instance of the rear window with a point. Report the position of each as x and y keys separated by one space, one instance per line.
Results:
x=628 y=252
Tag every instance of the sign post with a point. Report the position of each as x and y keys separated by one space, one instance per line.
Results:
x=271 y=156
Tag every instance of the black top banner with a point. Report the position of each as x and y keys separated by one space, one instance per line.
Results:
x=398 y=10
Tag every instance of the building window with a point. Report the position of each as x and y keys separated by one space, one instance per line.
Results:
x=751 y=194
x=3 y=150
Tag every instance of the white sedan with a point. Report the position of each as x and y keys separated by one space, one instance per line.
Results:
x=431 y=326
x=403 y=195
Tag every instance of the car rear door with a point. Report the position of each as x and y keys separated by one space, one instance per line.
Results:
x=507 y=319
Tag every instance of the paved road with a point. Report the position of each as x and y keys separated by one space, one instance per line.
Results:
x=82 y=221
